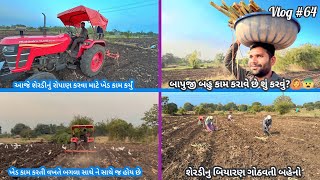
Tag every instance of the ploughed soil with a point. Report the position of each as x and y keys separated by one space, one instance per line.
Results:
x=241 y=144
x=137 y=62
x=118 y=155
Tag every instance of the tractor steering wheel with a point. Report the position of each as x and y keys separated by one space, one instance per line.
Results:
x=71 y=34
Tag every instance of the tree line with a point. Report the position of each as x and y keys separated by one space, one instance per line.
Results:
x=115 y=129
x=282 y=105
x=62 y=29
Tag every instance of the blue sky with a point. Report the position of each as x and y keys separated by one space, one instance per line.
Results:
x=189 y=25
x=124 y=15
x=265 y=98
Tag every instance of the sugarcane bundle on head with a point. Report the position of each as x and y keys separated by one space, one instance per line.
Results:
x=252 y=24
x=237 y=10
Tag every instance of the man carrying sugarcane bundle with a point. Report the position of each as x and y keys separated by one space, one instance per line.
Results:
x=254 y=31
x=266 y=125
x=261 y=59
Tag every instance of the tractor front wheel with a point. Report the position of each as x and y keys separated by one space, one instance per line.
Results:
x=42 y=76
x=92 y=60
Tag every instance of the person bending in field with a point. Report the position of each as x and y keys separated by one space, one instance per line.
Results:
x=261 y=59
x=230 y=116
x=266 y=125
x=211 y=123
x=201 y=121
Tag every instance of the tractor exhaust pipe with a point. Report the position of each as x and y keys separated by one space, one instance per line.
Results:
x=44 y=25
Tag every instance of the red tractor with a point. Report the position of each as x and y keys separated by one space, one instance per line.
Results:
x=39 y=55
x=82 y=139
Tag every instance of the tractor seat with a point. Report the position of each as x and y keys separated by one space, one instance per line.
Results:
x=80 y=44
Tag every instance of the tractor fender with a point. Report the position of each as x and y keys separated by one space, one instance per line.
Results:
x=89 y=43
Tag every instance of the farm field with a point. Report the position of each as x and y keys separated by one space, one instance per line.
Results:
x=119 y=155
x=241 y=144
x=137 y=62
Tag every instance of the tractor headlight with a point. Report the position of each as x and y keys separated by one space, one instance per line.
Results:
x=87 y=43
x=9 y=49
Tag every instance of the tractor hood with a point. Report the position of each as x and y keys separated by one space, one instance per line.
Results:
x=35 y=40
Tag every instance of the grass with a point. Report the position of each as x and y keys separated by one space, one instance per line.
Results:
x=101 y=139
x=184 y=67
x=172 y=68
x=304 y=113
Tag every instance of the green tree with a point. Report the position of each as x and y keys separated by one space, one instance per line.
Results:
x=193 y=59
x=119 y=129
x=230 y=106
x=317 y=105
x=310 y=108
x=168 y=59
x=309 y=105
x=200 y=110
x=151 y=117
x=28 y=133
x=256 y=107
x=210 y=107
x=18 y=128
x=243 y=107
x=127 y=34
x=283 y=104
x=188 y=106
x=62 y=135
x=243 y=62
x=220 y=107
x=269 y=108
x=181 y=111
x=170 y=108
x=42 y=129
x=81 y=120
x=219 y=58
x=100 y=129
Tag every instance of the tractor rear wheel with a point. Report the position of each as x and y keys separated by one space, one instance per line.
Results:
x=42 y=76
x=92 y=60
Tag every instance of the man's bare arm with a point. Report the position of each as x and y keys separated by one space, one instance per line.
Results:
x=230 y=62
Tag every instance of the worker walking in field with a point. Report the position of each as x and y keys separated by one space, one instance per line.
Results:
x=266 y=125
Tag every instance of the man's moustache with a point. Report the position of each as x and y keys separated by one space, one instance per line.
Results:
x=256 y=65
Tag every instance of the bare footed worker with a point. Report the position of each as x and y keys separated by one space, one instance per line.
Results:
x=261 y=59
x=79 y=39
